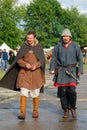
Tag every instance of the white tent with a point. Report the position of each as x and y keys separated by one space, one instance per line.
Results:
x=5 y=46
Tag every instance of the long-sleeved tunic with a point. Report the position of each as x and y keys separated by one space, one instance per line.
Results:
x=66 y=59
x=30 y=79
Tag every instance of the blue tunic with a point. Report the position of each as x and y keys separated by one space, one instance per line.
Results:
x=63 y=57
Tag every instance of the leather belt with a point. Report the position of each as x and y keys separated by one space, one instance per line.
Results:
x=69 y=66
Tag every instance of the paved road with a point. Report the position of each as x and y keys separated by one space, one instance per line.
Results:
x=50 y=113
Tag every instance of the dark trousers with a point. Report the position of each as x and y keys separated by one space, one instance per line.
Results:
x=67 y=97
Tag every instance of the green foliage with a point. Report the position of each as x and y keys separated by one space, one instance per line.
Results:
x=77 y=23
x=10 y=16
x=46 y=17
x=43 y=17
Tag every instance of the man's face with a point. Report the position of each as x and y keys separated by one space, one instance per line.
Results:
x=30 y=39
x=66 y=39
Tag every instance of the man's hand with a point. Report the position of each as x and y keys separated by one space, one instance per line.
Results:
x=52 y=72
x=28 y=66
x=33 y=67
x=79 y=73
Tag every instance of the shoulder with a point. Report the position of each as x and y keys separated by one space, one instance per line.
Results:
x=23 y=46
x=59 y=44
x=76 y=44
x=39 y=45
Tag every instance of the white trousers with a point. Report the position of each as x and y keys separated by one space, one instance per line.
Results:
x=33 y=93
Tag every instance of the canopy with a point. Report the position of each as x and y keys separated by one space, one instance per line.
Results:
x=5 y=46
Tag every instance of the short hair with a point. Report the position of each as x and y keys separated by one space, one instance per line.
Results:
x=31 y=32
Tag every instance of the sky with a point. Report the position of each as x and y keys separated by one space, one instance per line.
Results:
x=80 y=4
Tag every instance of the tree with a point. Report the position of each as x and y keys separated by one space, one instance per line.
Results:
x=43 y=17
x=48 y=19
x=77 y=23
x=9 y=19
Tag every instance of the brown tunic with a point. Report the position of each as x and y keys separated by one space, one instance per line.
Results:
x=27 y=78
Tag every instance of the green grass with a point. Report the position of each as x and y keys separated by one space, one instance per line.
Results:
x=2 y=74
x=85 y=66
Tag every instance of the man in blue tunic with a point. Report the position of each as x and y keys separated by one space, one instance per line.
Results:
x=67 y=57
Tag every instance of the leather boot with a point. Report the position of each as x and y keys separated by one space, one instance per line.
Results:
x=35 y=107
x=73 y=112
x=22 y=107
x=66 y=114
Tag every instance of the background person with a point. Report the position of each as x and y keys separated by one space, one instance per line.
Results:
x=0 y=58
x=5 y=59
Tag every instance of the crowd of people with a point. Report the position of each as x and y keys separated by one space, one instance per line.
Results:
x=6 y=58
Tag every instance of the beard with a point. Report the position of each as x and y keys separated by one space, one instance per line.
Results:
x=66 y=41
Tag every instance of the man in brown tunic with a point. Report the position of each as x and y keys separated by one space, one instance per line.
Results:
x=28 y=73
x=30 y=77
